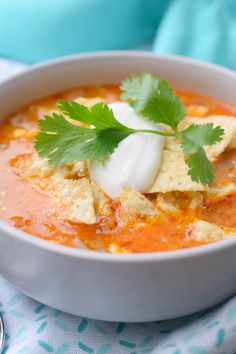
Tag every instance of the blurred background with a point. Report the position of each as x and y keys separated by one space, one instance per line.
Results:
x=37 y=30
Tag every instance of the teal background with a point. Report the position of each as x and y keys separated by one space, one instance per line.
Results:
x=35 y=30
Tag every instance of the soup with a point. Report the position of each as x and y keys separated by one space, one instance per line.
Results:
x=165 y=221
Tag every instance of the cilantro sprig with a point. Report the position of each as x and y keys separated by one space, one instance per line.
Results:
x=63 y=139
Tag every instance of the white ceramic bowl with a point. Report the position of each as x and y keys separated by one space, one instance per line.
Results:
x=138 y=287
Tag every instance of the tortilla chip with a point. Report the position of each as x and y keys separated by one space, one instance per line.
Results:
x=89 y=102
x=134 y=202
x=75 y=169
x=76 y=196
x=203 y=231
x=218 y=193
x=101 y=201
x=226 y=122
x=173 y=144
x=71 y=195
x=173 y=175
x=176 y=202
x=136 y=209
x=34 y=166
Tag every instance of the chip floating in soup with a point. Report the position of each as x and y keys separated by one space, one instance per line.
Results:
x=77 y=202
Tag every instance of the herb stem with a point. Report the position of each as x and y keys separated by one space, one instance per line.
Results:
x=154 y=132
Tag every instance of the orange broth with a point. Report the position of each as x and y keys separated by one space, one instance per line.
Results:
x=26 y=208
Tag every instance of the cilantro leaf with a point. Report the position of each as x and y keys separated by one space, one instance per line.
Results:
x=62 y=142
x=139 y=89
x=99 y=116
x=193 y=138
x=164 y=107
x=154 y=99
x=204 y=134
x=200 y=168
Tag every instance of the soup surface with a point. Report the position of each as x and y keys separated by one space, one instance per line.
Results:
x=28 y=208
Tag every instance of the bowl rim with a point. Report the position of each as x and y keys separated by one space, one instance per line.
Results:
x=197 y=251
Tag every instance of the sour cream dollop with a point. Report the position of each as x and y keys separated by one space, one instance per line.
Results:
x=137 y=159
